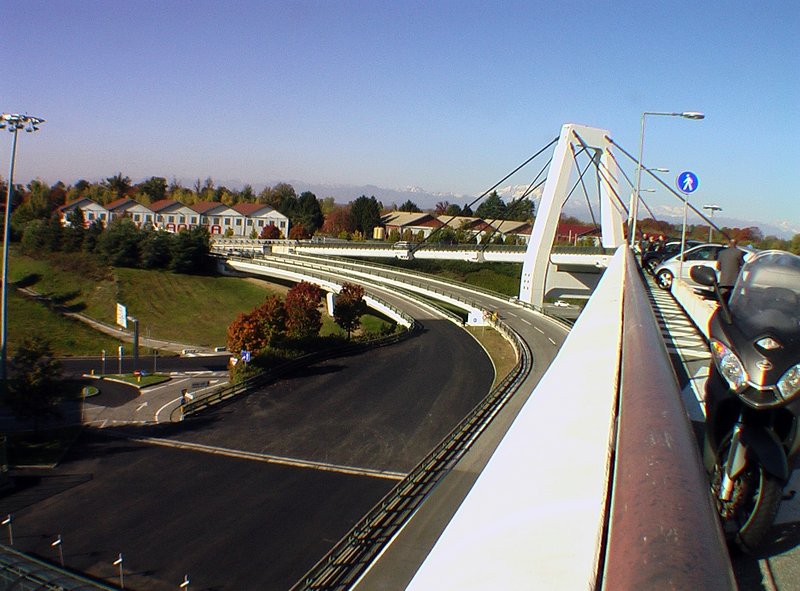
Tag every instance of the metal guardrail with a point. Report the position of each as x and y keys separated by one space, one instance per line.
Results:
x=663 y=529
x=349 y=558
x=394 y=274
x=405 y=276
x=22 y=572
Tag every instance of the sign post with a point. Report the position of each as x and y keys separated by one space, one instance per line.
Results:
x=687 y=182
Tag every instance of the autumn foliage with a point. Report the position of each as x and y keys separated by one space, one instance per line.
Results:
x=349 y=308
x=259 y=329
x=303 y=318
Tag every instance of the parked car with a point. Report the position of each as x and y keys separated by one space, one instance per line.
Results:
x=704 y=255
x=652 y=258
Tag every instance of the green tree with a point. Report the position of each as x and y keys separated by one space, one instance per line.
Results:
x=349 y=307
x=409 y=206
x=521 y=210
x=153 y=189
x=74 y=233
x=119 y=244
x=309 y=213
x=303 y=318
x=155 y=249
x=33 y=392
x=118 y=185
x=190 y=249
x=366 y=214
x=492 y=208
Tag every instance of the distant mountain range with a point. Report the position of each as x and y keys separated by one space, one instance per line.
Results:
x=428 y=200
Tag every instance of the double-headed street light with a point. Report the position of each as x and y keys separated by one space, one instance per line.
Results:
x=13 y=122
x=634 y=208
x=712 y=209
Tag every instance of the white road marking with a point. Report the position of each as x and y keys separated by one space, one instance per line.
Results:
x=539 y=329
x=141 y=406
x=270 y=459
x=551 y=340
x=527 y=322
x=171 y=402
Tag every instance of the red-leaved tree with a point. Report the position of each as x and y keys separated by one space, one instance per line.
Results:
x=270 y=232
x=303 y=318
x=259 y=329
x=349 y=308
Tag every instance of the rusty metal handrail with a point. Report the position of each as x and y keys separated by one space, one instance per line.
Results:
x=663 y=529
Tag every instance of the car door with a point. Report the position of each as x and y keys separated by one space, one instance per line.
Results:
x=705 y=256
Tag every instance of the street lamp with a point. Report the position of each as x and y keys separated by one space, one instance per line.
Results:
x=634 y=208
x=13 y=122
x=712 y=209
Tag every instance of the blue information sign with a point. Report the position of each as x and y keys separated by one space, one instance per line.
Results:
x=246 y=356
x=687 y=182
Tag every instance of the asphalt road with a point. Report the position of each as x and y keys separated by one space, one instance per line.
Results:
x=255 y=521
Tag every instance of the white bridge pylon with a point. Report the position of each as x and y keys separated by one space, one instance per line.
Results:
x=573 y=138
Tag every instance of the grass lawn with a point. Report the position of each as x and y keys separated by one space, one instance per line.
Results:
x=168 y=306
x=30 y=319
x=500 y=277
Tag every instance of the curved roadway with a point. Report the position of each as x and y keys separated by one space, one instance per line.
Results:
x=285 y=473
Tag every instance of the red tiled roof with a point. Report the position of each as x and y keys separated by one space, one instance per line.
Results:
x=251 y=208
x=162 y=204
x=121 y=202
x=205 y=206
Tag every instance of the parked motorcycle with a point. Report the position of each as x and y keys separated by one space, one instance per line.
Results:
x=752 y=436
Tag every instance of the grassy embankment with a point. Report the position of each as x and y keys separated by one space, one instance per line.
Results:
x=190 y=309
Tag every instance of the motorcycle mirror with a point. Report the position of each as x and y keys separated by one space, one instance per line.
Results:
x=703 y=275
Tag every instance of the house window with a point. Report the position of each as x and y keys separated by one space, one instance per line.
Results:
x=137 y=217
x=249 y=222
x=171 y=219
x=194 y=219
x=216 y=221
x=238 y=221
x=226 y=221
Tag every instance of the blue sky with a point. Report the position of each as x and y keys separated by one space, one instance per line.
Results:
x=448 y=96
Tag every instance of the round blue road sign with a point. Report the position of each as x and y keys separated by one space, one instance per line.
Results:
x=687 y=182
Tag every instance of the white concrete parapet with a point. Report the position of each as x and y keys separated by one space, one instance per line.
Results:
x=536 y=512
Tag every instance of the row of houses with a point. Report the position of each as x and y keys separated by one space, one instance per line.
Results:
x=242 y=219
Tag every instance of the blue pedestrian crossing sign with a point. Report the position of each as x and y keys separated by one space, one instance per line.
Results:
x=687 y=182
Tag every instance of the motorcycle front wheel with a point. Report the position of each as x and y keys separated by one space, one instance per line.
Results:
x=748 y=516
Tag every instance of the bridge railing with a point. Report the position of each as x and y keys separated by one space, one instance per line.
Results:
x=663 y=526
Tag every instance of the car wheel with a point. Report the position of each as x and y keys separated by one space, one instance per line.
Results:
x=651 y=264
x=664 y=280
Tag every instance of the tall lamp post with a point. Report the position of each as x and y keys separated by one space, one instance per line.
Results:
x=13 y=122
x=634 y=208
x=712 y=209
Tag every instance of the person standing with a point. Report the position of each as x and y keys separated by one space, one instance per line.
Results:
x=729 y=263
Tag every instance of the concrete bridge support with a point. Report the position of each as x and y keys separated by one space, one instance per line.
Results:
x=536 y=265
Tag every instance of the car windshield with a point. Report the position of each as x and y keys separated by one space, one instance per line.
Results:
x=767 y=293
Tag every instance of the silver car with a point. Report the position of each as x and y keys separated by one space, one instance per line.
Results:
x=704 y=255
